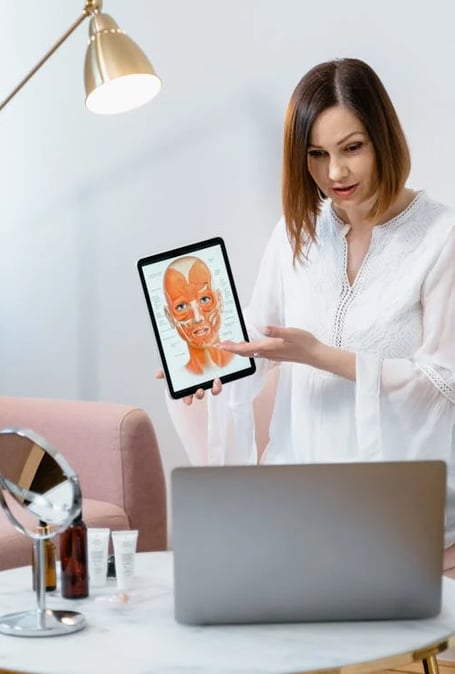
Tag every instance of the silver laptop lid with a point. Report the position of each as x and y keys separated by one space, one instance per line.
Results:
x=308 y=542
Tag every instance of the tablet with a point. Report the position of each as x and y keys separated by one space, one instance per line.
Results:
x=193 y=305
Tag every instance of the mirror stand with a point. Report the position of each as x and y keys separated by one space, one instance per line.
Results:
x=37 y=480
x=41 y=622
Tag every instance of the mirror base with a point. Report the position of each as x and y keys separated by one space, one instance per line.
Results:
x=52 y=624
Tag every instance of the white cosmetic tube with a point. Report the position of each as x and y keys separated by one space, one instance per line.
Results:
x=125 y=543
x=97 y=545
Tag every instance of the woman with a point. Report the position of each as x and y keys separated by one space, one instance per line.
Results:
x=355 y=297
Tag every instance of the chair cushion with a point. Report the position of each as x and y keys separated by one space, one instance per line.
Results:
x=16 y=549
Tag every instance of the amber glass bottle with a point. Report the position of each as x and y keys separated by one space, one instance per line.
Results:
x=50 y=575
x=73 y=559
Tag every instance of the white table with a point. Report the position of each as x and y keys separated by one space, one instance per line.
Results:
x=142 y=637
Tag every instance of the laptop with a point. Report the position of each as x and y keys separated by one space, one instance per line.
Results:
x=317 y=542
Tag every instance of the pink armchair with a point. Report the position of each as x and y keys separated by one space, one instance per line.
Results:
x=114 y=450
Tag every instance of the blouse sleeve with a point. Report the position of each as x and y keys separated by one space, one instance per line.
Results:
x=405 y=407
x=220 y=429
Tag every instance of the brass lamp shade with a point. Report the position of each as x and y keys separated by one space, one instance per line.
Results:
x=118 y=76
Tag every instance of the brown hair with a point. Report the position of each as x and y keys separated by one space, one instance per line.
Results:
x=352 y=83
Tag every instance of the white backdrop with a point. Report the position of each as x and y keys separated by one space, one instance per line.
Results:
x=83 y=197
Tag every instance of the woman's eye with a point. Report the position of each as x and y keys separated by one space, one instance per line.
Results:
x=316 y=153
x=205 y=299
x=354 y=147
x=181 y=307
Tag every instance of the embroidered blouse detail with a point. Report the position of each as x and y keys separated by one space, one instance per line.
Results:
x=443 y=385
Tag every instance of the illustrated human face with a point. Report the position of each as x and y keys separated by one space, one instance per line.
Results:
x=192 y=306
x=341 y=158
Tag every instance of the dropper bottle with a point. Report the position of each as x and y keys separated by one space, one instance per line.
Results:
x=73 y=559
x=50 y=575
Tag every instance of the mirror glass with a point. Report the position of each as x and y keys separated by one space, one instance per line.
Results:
x=37 y=480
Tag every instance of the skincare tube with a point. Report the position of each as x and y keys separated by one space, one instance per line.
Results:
x=125 y=543
x=97 y=545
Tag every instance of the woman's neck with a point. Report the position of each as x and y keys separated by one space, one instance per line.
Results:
x=357 y=216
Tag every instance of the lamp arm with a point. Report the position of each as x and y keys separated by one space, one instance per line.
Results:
x=91 y=6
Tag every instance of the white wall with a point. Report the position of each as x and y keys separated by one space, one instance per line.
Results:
x=83 y=197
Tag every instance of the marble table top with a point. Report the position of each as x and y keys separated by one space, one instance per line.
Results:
x=142 y=637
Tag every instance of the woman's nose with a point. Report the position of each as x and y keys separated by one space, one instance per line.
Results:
x=337 y=169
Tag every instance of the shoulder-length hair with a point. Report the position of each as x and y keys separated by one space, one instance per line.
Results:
x=353 y=84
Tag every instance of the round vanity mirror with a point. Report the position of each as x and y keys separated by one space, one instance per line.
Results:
x=37 y=485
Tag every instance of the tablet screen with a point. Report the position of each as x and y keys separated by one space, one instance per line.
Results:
x=193 y=304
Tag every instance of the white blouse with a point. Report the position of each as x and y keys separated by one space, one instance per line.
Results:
x=398 y=316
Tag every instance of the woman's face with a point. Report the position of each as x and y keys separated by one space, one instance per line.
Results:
x=341 y=158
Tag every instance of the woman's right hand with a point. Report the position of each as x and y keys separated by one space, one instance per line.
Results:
x=200 y=393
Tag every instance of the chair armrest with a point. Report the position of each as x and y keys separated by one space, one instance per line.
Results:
x=112 y=447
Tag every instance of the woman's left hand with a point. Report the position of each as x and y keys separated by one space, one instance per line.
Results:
x=280 y=344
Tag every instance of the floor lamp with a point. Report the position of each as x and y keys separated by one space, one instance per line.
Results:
x=118 y=75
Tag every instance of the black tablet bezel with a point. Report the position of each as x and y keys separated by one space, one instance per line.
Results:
x=189 y=249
